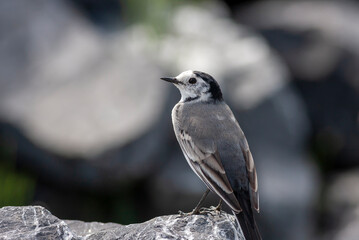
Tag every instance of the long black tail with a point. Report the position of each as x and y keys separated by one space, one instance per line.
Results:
x=245 y=218
x=248 y=226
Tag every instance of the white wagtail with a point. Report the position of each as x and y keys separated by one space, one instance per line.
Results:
x=215 y=147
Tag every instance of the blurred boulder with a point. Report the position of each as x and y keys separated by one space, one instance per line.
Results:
x=256 y=85
x=79 y=95
x=70 y=93
x=34 y=222
x=319 y=42
x=341 y=203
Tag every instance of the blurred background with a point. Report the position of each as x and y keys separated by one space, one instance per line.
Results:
x=85 y=125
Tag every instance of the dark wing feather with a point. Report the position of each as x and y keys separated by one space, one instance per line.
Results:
x=207 y=165
x=252 y=176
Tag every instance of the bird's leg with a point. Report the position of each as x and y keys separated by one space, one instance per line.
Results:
x=196 y=210
x=219 y=206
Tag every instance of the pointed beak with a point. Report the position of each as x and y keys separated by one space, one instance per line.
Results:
x=171 y=80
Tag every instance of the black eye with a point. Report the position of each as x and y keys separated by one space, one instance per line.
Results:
x=192 y=80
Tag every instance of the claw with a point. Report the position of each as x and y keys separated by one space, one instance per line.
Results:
x=193 y=212
x=210 y=210
x=219 y=206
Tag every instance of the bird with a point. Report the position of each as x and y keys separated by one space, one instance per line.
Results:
x=215 y=146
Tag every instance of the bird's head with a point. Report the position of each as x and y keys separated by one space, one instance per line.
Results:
x=196 y=86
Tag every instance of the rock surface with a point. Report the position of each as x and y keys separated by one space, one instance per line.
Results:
x=35 y=222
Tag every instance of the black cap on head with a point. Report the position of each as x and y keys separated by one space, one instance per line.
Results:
x=214 y=88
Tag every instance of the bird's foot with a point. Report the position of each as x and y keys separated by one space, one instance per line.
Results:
x=193 y=212
x=211 y=209
x=197 y=209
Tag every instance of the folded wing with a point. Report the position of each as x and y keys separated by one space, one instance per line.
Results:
x=206 y=162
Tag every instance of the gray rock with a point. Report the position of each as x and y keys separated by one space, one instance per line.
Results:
x=34 y=222
x=69 y=96
x=80 y=93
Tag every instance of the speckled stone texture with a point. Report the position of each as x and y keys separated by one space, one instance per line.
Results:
x=35 y=222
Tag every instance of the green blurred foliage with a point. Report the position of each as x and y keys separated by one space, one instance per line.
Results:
x=153 y=13
x=16 y=188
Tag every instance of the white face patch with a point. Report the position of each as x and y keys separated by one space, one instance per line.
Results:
x=195 y=92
